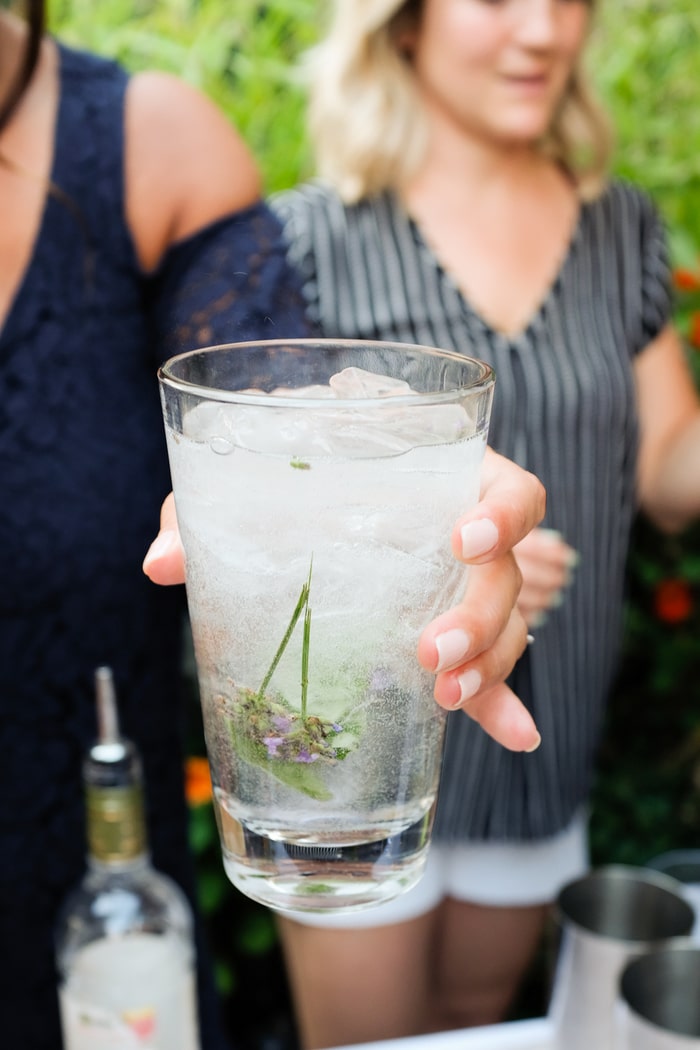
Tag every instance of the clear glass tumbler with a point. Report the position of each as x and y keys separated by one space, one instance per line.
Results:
x=317 y=483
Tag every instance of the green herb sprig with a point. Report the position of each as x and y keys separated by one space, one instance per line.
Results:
x=301 y=606
x=289 y=744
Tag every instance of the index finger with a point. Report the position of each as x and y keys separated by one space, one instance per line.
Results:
x=512 y=503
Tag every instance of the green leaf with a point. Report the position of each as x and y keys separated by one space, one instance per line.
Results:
x=257 y=934
x=212 y=887
x=225 y=977
x=298 y=775
x=202 y=828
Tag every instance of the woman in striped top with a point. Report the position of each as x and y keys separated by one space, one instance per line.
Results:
x=464 y=204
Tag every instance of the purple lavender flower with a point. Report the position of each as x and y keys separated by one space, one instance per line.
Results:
x=305 y=756
x=282 y=722
x=273 y=743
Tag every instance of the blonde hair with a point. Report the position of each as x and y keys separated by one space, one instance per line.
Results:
x=366 y=123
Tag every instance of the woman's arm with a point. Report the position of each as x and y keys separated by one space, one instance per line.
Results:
x=212 y=253
x=669 y=414
x=186 y=166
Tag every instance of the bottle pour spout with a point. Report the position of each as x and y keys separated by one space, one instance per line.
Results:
x=106 y=697
x=111 y=750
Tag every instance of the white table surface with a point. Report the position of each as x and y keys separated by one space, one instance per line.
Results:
x=517 y=1035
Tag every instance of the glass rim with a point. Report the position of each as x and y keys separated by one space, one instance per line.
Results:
x=482 y=382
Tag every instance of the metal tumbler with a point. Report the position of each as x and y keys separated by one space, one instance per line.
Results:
x=607 y=918
x=660 y=1000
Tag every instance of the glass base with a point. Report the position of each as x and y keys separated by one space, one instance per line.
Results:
x=287 y=876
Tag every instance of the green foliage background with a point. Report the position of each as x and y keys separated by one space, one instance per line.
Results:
x=647 y=798
x=242 y=53
x=643 y=58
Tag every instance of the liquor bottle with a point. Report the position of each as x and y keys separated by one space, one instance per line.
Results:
x=124 y=942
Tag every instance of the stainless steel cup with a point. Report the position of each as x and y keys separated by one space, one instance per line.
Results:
x=660 y=994
x=683 y=865
x=607 y=918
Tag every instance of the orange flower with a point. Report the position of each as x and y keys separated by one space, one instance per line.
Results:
x=686 y=280
x=694 y=330
x=673 y=601
x=197 y=781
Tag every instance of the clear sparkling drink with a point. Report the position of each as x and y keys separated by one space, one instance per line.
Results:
x=317 y=540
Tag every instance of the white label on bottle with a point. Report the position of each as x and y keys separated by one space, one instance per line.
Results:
x=130 y=993
x=87 y=1027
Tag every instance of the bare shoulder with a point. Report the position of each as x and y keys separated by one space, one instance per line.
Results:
x=186 y=165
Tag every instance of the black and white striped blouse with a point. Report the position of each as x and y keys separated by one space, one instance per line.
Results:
x=564 y=408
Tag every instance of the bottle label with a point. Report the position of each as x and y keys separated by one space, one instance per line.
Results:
x=130 y=993
x=88 y=1027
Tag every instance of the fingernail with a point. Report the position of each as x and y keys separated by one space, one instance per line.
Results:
x=551 y=535
x=572 y=558
x=529 y=750
x=478 y=537
x=556 y=600
x=452 y=646
x=469 y=684
x=537 y=619
x=163 y=544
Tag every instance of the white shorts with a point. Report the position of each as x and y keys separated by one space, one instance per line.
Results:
x=499 y=874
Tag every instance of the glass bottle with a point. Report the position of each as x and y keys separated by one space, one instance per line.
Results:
x=124 y=941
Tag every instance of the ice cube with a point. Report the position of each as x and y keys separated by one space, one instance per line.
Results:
x=307 y=392
x=379 y=429
x=359 y=383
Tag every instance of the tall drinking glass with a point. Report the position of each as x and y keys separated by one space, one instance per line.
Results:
x=317 y=484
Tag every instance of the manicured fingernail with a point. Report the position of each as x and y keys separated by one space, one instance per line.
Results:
x=478 y=537
x=452 y=646
x=551 y=535
x=537 y=619
x=163 y=544
x=529 y=750
x=556 y=600
x=469 y=684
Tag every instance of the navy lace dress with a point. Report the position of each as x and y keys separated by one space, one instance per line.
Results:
x=83 y=473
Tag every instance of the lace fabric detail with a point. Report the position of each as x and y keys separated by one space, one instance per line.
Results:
x=229 y=283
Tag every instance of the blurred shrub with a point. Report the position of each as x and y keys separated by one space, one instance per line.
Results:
x=242 y=53
x=647 y=796
x=644 y=58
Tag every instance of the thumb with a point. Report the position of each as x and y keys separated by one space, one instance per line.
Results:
x=164 y=562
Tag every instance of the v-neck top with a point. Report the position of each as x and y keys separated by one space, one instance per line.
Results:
x=84 y=470
x=564 y=408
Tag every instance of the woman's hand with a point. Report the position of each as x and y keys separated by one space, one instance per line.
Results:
x=472 y=648
x=546 y=563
